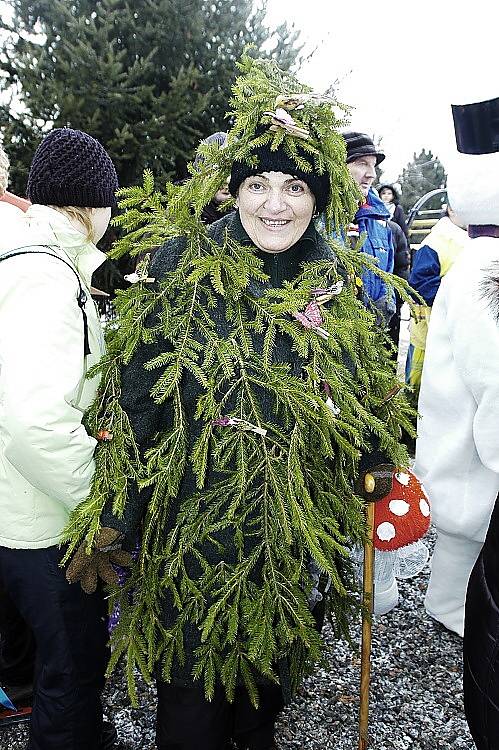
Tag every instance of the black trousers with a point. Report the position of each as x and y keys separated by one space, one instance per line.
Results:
x=187 y=721
x=70 y=636
x=17 y=644
x=481 y=643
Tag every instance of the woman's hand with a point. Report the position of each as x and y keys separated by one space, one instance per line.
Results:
x=87 y=567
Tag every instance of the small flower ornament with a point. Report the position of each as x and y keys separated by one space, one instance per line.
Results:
x=325 y=295
x=104 y=436
x=240 y=424
x=311 y=318
x=134 y=278
x=282 y=119
x=141 y=273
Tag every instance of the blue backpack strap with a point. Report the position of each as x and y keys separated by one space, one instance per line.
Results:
x=81 y=297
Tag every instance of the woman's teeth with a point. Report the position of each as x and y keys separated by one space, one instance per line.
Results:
x=275 y=222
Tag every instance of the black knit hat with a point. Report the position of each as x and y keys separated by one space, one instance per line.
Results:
x=279 y=161
x=359 y=145
x=70 y=168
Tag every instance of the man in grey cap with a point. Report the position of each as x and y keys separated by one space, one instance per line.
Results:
x=372 y=219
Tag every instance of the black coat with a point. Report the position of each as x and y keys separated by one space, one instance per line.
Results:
x=402 y=259
x=481 y=643
x=147 y=417
x=399 y=219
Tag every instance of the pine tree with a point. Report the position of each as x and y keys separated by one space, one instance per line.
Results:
x=423 y=174
x=147 y=79
x=286 y=477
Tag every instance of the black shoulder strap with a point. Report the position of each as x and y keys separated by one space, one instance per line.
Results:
x=81 y=297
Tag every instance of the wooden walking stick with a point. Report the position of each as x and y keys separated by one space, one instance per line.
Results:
x=367 y=608
x=402 y=517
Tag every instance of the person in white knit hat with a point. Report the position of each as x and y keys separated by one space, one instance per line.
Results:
x=457 y=451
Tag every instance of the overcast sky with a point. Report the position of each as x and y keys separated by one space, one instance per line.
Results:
x=400 y=64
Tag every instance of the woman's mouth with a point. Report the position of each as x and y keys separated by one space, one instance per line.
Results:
x=274 y=223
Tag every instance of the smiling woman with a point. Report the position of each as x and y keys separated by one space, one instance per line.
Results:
x=275 y=209
x=240 y=391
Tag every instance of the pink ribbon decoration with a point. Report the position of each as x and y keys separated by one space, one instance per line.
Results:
x=311 y=318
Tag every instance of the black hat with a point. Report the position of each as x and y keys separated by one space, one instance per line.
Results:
x=359 y=145
x=279 y=161
x=70 y=168
x=477 y=127
x=220 y=138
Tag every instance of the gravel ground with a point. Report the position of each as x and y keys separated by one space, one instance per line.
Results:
x=416 y=693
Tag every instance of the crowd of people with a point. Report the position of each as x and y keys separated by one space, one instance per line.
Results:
x=208 y=461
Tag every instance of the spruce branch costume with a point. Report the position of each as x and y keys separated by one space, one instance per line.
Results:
x=241 y=389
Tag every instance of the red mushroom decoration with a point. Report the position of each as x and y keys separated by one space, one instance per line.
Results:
x=403 y=515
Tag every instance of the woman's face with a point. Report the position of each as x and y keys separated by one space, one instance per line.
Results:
x=275 y=210
x=386 y=195
x=222 y=194
x=100 y=218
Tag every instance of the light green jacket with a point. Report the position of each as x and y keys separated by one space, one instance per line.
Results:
x=46 y=456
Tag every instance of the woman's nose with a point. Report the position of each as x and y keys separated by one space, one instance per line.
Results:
x=275 y=201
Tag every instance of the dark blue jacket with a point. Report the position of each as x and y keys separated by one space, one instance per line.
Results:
x=425 y=275
x=372 y=218
x=435 y=257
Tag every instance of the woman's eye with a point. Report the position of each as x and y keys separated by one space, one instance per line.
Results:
x=296 y=187
x=256 y=186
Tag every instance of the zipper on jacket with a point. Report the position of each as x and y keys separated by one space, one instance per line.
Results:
x=275 y=270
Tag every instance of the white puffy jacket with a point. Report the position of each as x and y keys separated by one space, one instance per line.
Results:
x=46 y=456
x=457 y=451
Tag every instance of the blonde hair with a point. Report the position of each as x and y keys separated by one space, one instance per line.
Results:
x=81 y=216
x=4 y=171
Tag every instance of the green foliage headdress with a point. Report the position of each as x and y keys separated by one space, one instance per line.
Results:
x=272 y=110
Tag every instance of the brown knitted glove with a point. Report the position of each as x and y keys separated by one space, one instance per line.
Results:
x=376 y=483
x=88 y=568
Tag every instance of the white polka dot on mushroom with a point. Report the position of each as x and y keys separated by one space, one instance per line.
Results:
x=402 y=477
x=385 y=531
x=424 y=507
x=399 y=507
